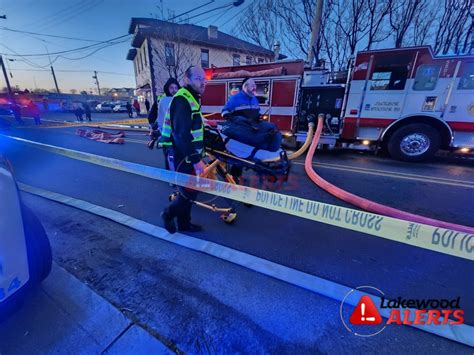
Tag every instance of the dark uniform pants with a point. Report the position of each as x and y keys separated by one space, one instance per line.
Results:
x=181 y=206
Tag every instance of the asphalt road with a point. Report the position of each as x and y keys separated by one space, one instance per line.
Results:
x=442 y=189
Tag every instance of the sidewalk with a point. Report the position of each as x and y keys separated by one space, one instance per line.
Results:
x=65 y=316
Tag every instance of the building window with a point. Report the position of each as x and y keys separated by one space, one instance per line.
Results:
x=248 y=60
x=261 y=60
x=169 y=54
x=235 y=60
x=467 y=79
x=205 y=58
x=426 y=77
x=144 y=56
x=141 y=60
x=138 y=62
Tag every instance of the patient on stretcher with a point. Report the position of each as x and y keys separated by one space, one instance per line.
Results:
x=243 y=124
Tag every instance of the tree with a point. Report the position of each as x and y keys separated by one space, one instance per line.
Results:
x=172 y=52
x=296 y=17
x=423 y=24
x=402 y=14
x=454 y=27
x=377 y=13
x=259 y=24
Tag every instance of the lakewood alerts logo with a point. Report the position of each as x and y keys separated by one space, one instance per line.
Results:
x=366 y=318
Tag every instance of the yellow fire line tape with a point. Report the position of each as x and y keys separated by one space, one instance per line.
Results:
x=440 y=240
x=94 y=123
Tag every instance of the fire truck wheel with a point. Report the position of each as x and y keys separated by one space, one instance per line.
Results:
x=414 y=142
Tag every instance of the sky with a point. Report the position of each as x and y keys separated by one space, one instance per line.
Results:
x=97 y=20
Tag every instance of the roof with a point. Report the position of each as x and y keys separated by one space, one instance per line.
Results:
x=131 y=54
x=186 y=32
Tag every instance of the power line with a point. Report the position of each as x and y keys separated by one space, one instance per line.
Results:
x=110 y=42
x=78 y=12
x=187 y=12
x=219 y=14
x=27 y=61
x=69 y=71
x=93 y=52
x=55 y=16
x=48 y=35
x=206 y=12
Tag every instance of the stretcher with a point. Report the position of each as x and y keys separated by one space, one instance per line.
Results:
x=224 y=155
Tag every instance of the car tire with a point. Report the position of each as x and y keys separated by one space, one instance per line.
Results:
x=415 y=142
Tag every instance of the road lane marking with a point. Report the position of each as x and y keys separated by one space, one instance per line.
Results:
x=461 y=333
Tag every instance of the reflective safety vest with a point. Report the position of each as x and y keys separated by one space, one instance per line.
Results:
x=197 y=126
x=159 y=97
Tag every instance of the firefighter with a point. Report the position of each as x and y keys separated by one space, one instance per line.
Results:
x=183 y=133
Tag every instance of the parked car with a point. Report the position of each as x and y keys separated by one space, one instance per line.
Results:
x=105 y=107
x=120 y=107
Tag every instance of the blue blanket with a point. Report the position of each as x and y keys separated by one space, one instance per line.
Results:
x=261 y=134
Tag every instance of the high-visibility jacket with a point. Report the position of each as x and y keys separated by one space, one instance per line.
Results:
x=197 y=126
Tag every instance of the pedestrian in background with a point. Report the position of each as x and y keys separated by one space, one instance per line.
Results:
x=87 y=111
x=34 y=112
x=129 y=109
x=136 y=106
x=78 y=112
x=147 y=106
x=16 y=109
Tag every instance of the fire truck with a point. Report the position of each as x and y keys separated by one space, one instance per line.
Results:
x=404 y=100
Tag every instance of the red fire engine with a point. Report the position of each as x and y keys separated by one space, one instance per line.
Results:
x=405 y=100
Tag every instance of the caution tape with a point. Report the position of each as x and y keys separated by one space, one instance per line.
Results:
x=440 y=240
x=136 y=121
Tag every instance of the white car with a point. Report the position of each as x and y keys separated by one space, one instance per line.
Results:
x=122 y=107
x=105 y=107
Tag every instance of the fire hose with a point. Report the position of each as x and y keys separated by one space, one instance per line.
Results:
x=303 y=148
x=366 y=204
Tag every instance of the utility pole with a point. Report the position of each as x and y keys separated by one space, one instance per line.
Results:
x=315 y=26
x=52 y=70
x=96 y=81
x=9 y=88
x=55 y=81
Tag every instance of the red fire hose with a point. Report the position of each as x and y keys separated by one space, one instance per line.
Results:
x=365 y=204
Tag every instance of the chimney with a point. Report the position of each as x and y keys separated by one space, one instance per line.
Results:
x=276 y=50
x=212 y=32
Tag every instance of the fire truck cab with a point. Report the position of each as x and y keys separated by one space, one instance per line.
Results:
x=405 y=100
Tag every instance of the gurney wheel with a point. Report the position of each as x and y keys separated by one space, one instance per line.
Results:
x=229 y=217
x=173 y=196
